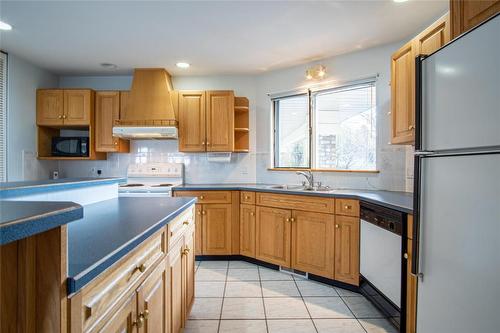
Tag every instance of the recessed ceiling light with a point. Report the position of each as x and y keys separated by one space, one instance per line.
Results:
x=182 y=65
x=108 y=65
x=5 y=26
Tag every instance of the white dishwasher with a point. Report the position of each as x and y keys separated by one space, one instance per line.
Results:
x=381 y=258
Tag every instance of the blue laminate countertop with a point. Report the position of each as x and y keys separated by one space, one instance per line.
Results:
x=111 y=229
x=11 y=189
x=401 y=201
x=21 y=219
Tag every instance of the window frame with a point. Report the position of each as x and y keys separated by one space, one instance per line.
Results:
x=311 y=94
x=4 y=119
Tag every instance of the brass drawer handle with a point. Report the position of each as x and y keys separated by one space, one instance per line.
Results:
x=186 y=251
x=185 y=222
x=405 y=256
x=198 y=212
x=141 y=268
x=64 y=116
x=247 y=197
x=202 y=197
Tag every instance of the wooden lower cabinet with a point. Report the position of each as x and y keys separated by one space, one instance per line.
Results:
x=198 y=246
x=123 y=319
x=273 y=235
x=247 y=230
x=216 y=225
x=347 y=249
x=313 y=243
x=189 y=269
x=175 y=271
x=152 y=302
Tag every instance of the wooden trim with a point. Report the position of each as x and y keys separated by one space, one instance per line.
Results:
x=322 y=170
x=235 y=222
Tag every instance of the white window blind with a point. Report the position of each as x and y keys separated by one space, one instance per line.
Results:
x=3 y=117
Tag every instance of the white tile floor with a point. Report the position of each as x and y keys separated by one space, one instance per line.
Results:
x=237 y=296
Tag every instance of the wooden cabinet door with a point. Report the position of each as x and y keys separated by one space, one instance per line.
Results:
x=78 y=106
x=273 y=235
x=189 y=269
x=49 y=107
x=466 y=14
x=247 y=230
x=313 y=243
x=347 y=249
x=220 y=120
x=106 y=112
x=198 y=244
x=192 y=134
x=411 y=282
x=216 y=229
x=152 y=302
x=176 y=275
x=124 y=320
x=434 y=37
x=403 y=95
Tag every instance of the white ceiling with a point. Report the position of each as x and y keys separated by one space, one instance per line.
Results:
x=74 y=37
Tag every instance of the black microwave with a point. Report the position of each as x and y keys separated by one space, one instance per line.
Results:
x=76 y=146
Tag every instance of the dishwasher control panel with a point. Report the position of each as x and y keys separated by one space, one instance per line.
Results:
x=382 y=217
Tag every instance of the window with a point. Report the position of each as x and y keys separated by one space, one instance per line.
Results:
x=3 y=117
x=337 y=125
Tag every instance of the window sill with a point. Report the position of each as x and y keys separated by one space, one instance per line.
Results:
x=322 y=170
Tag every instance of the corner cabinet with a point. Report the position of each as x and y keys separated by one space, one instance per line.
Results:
x=403 y=78
x=207 y=121
x=107 y=110
x=466 y=14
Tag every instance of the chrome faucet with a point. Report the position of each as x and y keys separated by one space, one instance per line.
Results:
x=309 y=177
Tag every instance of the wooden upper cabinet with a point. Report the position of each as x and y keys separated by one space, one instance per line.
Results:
x=247 y=230
x=192 y=133
x=152 y=302
x=49 y=107
x=220 y=120
x=78 y=106
x=313 y=243
x=347 y=249
x=434 y=37
x=403 y=94
x=403 y=78
x=466 y=14
x=107 y=110
x=273 y=235
x=123 y=319
x=216 y=229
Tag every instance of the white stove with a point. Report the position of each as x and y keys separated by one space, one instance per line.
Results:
x=152 y=179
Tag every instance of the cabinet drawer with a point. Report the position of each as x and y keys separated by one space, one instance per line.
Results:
x=207 y=196
x=247 y=197
x=348 y=207
x=179 y=225
x=297 y=202
x=99 y=297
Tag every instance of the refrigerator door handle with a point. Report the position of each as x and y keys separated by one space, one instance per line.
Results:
x=416 y=216
x=424 y=153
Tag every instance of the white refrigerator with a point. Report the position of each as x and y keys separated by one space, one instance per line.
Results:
x=457 y=185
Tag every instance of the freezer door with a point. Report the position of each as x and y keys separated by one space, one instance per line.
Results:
x=459 y=245
x=461 y=92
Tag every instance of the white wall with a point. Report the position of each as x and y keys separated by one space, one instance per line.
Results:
x=23 y=80
x=347 y=67
x=198 y=169
x=391 y=160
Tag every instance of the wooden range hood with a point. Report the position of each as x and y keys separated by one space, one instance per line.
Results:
x=150 y=111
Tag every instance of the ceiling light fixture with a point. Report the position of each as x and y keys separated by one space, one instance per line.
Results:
x=182 y=65
x=399 y=0
x=317 y=72
x=5 y=26
x=108 y=65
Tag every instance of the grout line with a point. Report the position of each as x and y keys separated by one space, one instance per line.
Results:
x=223 y=297
x=263 y=303
x=305 y=305
x=355 y=317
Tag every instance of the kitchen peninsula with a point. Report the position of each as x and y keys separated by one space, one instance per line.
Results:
x=74 y=266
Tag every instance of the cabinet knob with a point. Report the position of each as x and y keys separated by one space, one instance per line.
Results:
x=208 y=143
x=64 y=116
x=292 y=219
x=202 y=197
x=247 y=197
x=287 y=219
x=337 y=226
x=347 y=207
x=186 y=251
x=198 y=212
x=203 y=213
x=140 y=321
x=141 y=268
x=405 y=255
x=60 y=117
x=252 y=213
x=203 y=143
x=411 y=127
x=116 y=143
x=185 y=222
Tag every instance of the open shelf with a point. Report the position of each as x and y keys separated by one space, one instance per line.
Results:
x=241 y=125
